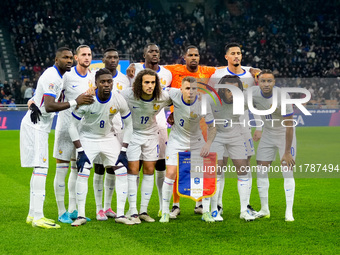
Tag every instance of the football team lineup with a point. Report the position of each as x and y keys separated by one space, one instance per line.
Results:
x=128 y=114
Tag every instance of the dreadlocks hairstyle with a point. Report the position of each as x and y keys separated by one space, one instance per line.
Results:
x=101 y=72
x=138 y=88
x=229 y=79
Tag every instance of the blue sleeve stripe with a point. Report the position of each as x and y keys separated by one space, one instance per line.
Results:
x=126 y=116
x=48 y=94
x=290 y=114
x=76 y=116
x=209 y=122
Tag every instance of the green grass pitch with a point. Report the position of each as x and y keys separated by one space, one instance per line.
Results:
x=316 y=229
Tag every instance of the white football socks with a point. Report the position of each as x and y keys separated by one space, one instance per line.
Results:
x=72 y=179
x=220 y=194
x=263 y=187
x=243 y=191
x=168 y=186
x=39 y=183
x=206 y=204
x=146 y=192
x=160 y=175
x=81 y=190
x=132 y=193
x=31 y=209
x=121 y=189
x=59 y=186
x=98 y=190
x=215 y=197
x=109 y=186
x=289 y=186
x=250 y=185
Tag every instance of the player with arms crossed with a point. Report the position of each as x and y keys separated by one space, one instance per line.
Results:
x=96 y=136
x=34 y=130
x=145 y=100
x=76 y=82
x=152 y=56
x=233 y=55
x=186 y=135
x=229 y=142
x=275 y=137
x=120 y=82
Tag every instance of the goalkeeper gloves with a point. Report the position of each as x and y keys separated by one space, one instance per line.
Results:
x=35 y=114
x=122 y=159
x=81 y=160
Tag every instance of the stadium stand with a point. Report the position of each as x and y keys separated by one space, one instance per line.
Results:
x=274 y=35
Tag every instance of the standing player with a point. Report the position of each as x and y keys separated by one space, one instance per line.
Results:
x=120 y=82
x=275 y=137
x=202 y=74
x=229 y=141
x=145 y=101
x=34 y=133
x=76 y=82
x=152 y=56
x=98 y=140
x=233 y=55
x=186 y=135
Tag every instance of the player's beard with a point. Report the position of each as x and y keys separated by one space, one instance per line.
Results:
x=85 y=66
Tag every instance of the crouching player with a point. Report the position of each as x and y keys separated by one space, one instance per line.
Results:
x=229 y=141
x=186 y=135
x=275 y=137
x=96 y=139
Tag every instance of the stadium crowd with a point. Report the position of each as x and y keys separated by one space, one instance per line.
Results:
x=292 y=47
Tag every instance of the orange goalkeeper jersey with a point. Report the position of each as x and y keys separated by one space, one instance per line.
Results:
x=180 y=71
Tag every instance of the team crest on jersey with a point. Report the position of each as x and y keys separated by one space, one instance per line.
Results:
x=163 y=82
x=44 y=159
x=245 y=85
x=119 y=87
x=60 y=152
x=156 y=107
x=193 y=115
x=90 y=84
x=113 y=110
x=51 y=86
